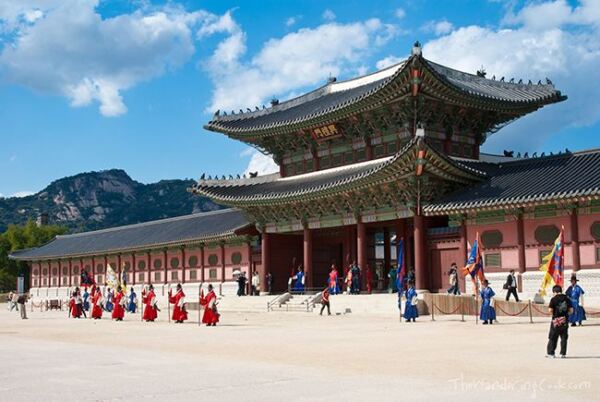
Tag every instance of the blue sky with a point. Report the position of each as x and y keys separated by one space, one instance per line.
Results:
x=90 y=85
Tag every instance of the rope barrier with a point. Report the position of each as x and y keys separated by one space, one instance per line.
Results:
x=444 y=312
x=509 y=314
x=540 y=311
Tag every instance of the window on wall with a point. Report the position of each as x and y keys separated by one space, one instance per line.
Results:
x=75 y=269
x=88 y=268
x=212 y=274
x=193 y=274
x=546 y=234
x=236 y=257
x=54 y=283
x=35 y=271
x=65 y=271
x=141 y=277
x=45 y=271
x=491 y=238
x=141 y=265
x=157 y=276
x=54 y=271
x=597 y=255
x=100 y=278
x=492 y=260
x=157 y=263
x=213 y=259
x=361 y=155
x=174 y=262
x=595 y=230
x=127 y=266
x=174 y=275
x=65 y=281
x=193 y=261
x=100 y=268
x=325 y=162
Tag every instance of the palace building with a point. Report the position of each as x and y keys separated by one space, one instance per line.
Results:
x=363 y=163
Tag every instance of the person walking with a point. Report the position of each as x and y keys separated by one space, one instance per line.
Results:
x=132 y=304
x=333 y=280
x=325 y=301
x=392 y=280
x=255 y=283
x=120 y=302
x=453 y=280
x=560 y=307
x=511 y=285
x=21 y=300
x=355 y=278
x=179 y=311
x=150 y=305
x=96 y=303
x=410 y=308
x=211 y=315
x=574 y=293
x=86 y=300
x=487 y=313
x=14 y=298
x=299 y=281
x=269 y=281
x=241 y=280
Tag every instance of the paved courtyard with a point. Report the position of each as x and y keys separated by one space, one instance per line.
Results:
x=291 y=357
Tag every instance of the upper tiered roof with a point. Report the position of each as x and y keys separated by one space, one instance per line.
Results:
x=336 y=100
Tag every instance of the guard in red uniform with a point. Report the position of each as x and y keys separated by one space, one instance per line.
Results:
x=179 y=312
x=211 y=315
x=74 y=307
x=119 y=310
x=96 y=303
x=150 y=305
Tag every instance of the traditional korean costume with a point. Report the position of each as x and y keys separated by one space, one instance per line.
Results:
x=574 y=293
x=211 y=315
x=119 y=307
x=179 y=313
x=488 y=313
x=410 y=307
x=150 y=309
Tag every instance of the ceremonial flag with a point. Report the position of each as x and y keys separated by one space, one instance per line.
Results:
x=86 y=279
x=474 y=266
x=124 y=279
x=554 y=264
x=111 y=277
x=401 y=269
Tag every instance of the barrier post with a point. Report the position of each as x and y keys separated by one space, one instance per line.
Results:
x=199 y=304
x=432 y=307
x=530 y=313
x=476 y=310
x=462 y=310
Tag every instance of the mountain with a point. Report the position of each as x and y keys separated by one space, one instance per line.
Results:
x=98 y=200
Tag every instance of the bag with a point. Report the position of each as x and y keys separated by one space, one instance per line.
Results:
x=414 y=301
x=505 y=286
x=559 y=322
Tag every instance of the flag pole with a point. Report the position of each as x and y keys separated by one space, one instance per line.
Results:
x=168 y=302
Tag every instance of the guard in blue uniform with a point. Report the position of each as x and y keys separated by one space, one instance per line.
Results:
x=132 y=301
x=574 y=293
x=410 y=308
x=299 y=281
x=488 y=313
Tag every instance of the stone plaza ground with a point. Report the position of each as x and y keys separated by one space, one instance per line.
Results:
x=291 y=356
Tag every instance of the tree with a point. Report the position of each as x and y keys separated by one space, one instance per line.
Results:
x=17 y=238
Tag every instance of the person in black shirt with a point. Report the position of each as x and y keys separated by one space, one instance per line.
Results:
x=560 y=307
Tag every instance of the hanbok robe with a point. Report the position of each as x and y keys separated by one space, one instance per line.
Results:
x=179 y=313
x=393 y=281
x=369 y=279
x=86 y=301
x=487 y=313
x=132 y=305
x=109 y=301
x=97 y=305
x=298 y=282
x=209 y=302
x=149 y=300
x=119 y=310
x=333 y=282
x=74 y=307
x=574 y=293
x=410 y=309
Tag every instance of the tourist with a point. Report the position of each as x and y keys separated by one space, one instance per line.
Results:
x=21 y=300
x=560 y=307
x=132 y=305
x=255 y=283
x=369 y=279
x=454 y=289
x=348 y=280
x=299 y=281
x=410 y=276
x=120 y=301
x=410 y=308
x=325 y=301
x=333 y=280
x=487 y=313
x=179 y=312
x=355 y=278
x=211 y=315
x=74 y=306
x=574 y=293
x=150 y=305
x=241 y=281
x=269 y=280
x=97 y=303
x=79 y=302
x=392 y=284
x=511 y=285
x=14 y=298
x=86 y=300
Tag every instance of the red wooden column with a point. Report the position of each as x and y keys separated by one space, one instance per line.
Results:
x=202 y=264
x=266 y=257
x=149 y=267
x=463 y=252
x=308 y=257
x=183 y=264
x=59 y=273
x=70 y=272
x=133 y=268
x=165 y=267
x=94 y=270
x=222 y=258
x=521 y=243
x=361 y=249
x=421 y=275
x=575 y=239
x=387 y=254
x=120 y=268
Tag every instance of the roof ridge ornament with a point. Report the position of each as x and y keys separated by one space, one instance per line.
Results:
x=416 y=49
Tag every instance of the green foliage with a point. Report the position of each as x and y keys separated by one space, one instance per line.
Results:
x=18 y=238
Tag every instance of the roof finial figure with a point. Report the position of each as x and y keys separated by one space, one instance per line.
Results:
x=481 y=72
x=203 y=176
x=548 y=81
x=217 y=113
x=274 y=102
x=416 y=49
x=253 y=174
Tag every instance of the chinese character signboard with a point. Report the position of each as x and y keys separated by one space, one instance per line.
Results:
x=326 y=132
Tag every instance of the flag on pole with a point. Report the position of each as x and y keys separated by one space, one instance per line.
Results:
x=554 y=264
x=401 y=269
x=474 y=266
x=123 y=279
x=111 y=277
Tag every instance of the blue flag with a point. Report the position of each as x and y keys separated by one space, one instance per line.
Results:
x=401 y=269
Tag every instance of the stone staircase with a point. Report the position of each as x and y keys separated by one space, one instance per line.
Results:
x=290 y=302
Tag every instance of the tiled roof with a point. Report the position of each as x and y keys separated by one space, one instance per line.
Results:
x=340 y=95
x=196 y=227
x=273 y=187
x=524 y=181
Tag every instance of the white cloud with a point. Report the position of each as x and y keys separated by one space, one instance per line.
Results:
x=534 y=49
x=400 y=13
x=65 y=47
x=441 y=27
x=329 y=15
x=302 y=58
x=290 y=21
x=259 y=162
x=388 y=61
